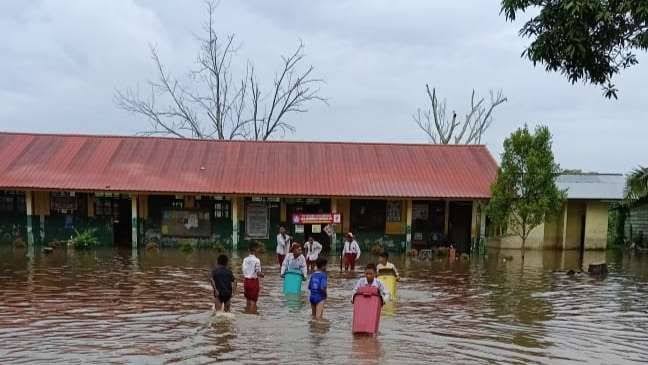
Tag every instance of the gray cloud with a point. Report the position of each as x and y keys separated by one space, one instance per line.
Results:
x=62 y=61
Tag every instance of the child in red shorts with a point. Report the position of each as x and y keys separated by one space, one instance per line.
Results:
x=251 y=274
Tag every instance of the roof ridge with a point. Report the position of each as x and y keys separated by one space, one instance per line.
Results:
x=369 y=143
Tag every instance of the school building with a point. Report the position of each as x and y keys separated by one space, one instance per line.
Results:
x=582 y=223
x=135 y=190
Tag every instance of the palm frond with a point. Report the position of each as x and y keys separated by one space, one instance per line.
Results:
x=637 y=184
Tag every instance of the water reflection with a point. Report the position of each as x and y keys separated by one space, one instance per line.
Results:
x=155 y=307
x=366 y=350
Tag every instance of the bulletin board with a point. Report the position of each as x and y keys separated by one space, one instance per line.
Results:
x=186 y=223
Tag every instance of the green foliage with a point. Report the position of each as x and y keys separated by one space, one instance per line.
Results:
x=186 y=247
x=84 y=239
x=585 y=40
x=525 y=191
x=637 y=185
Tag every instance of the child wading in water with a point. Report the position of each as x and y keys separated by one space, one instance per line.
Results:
x=224 y=285
x=251 y=273
x=384 y=264
x=370 y=280
x=317 y=286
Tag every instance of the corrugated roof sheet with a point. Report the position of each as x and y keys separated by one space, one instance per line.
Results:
x=278 y=168
x=593 y=186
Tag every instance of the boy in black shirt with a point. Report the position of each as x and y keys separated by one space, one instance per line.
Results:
x=223 y=282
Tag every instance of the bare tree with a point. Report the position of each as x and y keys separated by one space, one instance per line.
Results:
x=444 y=129
x=214 y=103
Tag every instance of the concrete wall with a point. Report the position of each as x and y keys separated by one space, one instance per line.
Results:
x=553 y=232
x=575 y=212
x=550 y=234
x=534 y=242
x=596 y=226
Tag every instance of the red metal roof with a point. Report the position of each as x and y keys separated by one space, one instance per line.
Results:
x=278 y=168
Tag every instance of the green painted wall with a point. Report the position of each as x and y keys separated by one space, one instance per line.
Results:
x=12 y=226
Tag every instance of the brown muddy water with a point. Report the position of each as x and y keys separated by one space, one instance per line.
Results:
x=109 y=306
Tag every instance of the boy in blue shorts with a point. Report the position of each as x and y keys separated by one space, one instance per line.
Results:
x=317 y=286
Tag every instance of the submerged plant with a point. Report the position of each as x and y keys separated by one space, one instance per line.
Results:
x=84 y=239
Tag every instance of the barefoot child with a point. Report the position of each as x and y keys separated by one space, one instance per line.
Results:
x=224 y=285
x=251 y=273
x=317 y=286
x=384 y=264
x=370 y=279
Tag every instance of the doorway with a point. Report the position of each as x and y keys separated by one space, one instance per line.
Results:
x=122 y=222
x=459 y=225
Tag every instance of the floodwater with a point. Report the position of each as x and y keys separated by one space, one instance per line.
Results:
x=121 y=307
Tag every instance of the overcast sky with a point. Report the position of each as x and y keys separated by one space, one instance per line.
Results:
x=62 y=60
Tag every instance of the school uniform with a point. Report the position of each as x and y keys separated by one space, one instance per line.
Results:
x=313 y=251
x=388 y=266
x=376 y=283
x=292 y=263
x=251 y=268
x=283 y=244
x=350 y=253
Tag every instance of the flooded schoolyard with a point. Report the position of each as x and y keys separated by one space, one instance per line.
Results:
x=122 y=307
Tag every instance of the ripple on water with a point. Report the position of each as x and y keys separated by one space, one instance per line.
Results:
x=110 y=307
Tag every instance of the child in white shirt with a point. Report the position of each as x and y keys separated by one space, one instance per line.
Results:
x=251 y=273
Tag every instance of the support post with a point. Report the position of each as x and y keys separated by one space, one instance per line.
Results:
x=482 y=220
x=235 y=223
x=334 y=209
x=30 y=213
x=42 y=229
x=564 y=230
x=134 y=221
x=446 y=222
x=408 y=225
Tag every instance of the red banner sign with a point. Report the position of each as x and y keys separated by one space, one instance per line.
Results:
x=325 y=218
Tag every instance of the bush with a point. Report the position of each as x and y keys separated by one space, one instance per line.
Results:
x=84 y=239
x=186 y=247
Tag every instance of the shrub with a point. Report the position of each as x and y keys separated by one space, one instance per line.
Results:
x=84 y=239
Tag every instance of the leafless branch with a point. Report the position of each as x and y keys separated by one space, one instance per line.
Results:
x=219 y=104
x=445 y=130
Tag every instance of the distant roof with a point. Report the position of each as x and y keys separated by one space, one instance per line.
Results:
x=593 y=186
x=279 y=168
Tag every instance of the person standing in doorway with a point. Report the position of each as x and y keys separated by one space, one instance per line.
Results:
x=350 y=252
x=283 y=244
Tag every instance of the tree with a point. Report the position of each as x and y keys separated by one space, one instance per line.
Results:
x=588 y=40
x=214 y=103
x=637 y=185
x=525 y=191
x=441 y=128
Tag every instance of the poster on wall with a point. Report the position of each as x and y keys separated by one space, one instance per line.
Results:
x=257 y=222
x=394 y=211
x=186 y=223
x=420 y=211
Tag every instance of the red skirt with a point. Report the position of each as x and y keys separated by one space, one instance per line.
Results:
x=251 y=289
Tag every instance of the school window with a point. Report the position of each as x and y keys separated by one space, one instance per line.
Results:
x=222 y=209
x=63 y=203
x=368 y=215
x=12 y=201
x=106 y=207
